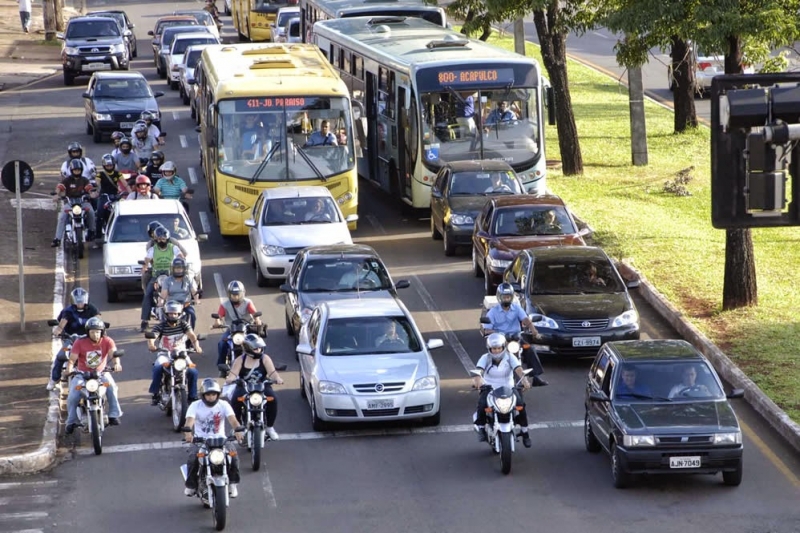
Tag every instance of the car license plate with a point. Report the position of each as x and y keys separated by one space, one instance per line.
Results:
x=94 y=66
x=380 y=404
x=126 y=125
x=585 y=341
x=685 y=462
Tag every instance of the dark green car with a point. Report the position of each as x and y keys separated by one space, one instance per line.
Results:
x=658 y=407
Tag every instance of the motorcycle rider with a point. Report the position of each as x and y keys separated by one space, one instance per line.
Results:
x=153 y=168
x=171 y=334
x=498 y=368
x=71 y=321
x=171 y=186
x=116 y=137
x=182 y=289
x=74 y=186
x=112 y=185
x=93 y=352
x=127 y=161
x=237 y=307
x=159 y=259
x=151 y=228
x=75 y=151
x=152 y=129
x=211 y=7
x=254 y=366
x=142 y=191
x=206 y=418
x=144 y=144
x=506 y=319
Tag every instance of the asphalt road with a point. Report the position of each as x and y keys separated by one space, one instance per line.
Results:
x=359 y=479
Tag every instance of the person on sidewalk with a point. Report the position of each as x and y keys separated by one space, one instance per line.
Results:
x=25 y=14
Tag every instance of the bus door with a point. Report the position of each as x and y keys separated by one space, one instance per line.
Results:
x=210 y=161
x=405 y=166
x=372 y=127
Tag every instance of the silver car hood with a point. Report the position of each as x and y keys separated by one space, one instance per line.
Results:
x=348 y=370
x=303 y=235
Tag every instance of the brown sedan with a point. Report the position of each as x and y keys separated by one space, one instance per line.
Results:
x=508 y=224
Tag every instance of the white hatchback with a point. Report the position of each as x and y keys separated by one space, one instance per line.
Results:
x=178 y=48
x=287 y=219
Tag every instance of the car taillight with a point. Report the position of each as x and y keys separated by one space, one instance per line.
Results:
x=703 y=66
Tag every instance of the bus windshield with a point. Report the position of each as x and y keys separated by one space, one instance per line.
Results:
x=500 y=124
x=268 y=139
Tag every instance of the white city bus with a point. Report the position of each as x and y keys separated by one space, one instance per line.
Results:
x=424 y=95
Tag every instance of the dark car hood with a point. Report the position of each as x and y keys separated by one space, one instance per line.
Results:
x=117 y=106
x=467 y=205
x=508 y=247
x=607 y=305
x=312 y=299
x=667 y=417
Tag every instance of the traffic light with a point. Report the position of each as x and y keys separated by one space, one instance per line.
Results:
x=755 y=128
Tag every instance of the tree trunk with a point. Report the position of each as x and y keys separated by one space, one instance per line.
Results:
x=683 y=84
x=467 y=20
x=59 y=13
x=49 y=16
x=486 y=32
x=740 y=288
x=554 y=55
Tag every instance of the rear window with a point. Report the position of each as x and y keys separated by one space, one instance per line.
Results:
x=182 y=44
x=169 y=23
x=133 y=228
x=92 y=28
x=294 y=29
x=193 y=58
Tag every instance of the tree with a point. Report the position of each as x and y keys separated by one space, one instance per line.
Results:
x=476 y=17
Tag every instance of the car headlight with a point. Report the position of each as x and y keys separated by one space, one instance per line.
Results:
x=728 y=438
x=237 y=338
x=499 y=263
x=629 y=317
x=546 y=322
x=121 y=270
x=462 y=220
x=92 y=385
x=103 y=117
x=256 y=399
x=118 y=48
x=71 y=51
x=179 y=365
x=217 y=457
x=77 y=209
x=638 y=440
x=329 y=387
x=271 y=250
x=426 y=383
x=343 y=199
x=504 y=405
x=305 y=314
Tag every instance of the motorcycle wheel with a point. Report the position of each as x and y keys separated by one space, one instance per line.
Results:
x=97 y=433
x=180 y=404
x=505 y=452
x=220 y=510
x=257 y=434
x=79 y=243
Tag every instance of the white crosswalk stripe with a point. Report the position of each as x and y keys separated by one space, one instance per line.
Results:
x=24 y=505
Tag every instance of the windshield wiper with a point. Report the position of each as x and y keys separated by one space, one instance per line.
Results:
x=265 y=162
x=636 y=395
x=307 y=159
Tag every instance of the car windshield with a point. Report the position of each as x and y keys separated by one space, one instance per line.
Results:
x=285 y=16
x=170 y=34
x=133 y=228
x=290 y=211
x=170 y=23
x=344 y=275
x=524 y=220
x=122 y=88
x=369 y=336
x=469 y=183
x=93 y=28
x=575 y=277
x=181 y=45
x=119 y=17
x=663 y=381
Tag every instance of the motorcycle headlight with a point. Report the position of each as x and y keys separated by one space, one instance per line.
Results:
x=504 y=405
x=270 y=249
x=546 y=322
x=92 y=385
x=179 y=365
x=513 y=347
x=237 y=338
x=256 y=399
x=462 y=220
x=629 y=317
x=216 y=457
x=77 y=209
x=426 y=383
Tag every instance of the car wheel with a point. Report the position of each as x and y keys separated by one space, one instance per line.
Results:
x=135 y=52
x=97 y=135
x=261 y=281
x=289 y=328
x=733 y=478
x=112 y=296
x=592 y=444
x=449 y=247
x=475 y=268
x=193 y=112
x=303 y=394
x=173 y=85
x=621 y=478
x=162 y=70
x=316 y=422
x=89 y=129
x=69 y=79
x=488 y=285
x=435 y=235
x=185 y=98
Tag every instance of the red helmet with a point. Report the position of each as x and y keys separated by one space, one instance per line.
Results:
x=141 y=178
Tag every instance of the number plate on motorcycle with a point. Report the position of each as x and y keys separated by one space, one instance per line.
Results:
x=126 y=125
x=380 y=404
x=583 y=342
x=685 y=462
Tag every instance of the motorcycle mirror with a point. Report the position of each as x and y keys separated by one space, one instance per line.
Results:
x=281 y=367
x=257 y=314
x=107 y=324
x=485 y=320
x=527 y=371
x=189 y=191
x=185 y=429
x=140 y=261
x=201 y=337
x=223 y=367
x=62 y=357
x=52 y=323
x=119 y=353
x=476 y=373
x=149 y=335
x=214 y=315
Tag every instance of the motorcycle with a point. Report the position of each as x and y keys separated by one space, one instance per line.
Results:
x=174 y=392
x=253 y=414
x=66 y=345
x=516 y=343
x=501 y=430
x=75 y=230
x=212 y=476
x=238 y=329
x=92 y=408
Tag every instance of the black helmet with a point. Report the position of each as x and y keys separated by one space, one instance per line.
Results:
x=75 y=164
x=75 y=147
x=505 y=294
x=123 y=143
x=235 y=288
x=95 y=323
x=211 y=386
x=79 y=296
x=254 y=345
x=109 y=161
x=157 y=157
x=178 y=267
x=151 y=227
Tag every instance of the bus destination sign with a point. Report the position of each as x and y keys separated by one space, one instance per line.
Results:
x=476 y=77
x=253 y=104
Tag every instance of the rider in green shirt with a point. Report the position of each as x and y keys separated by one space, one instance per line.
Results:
x=160 y=258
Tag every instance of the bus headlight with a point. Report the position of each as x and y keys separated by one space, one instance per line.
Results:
x=343 y=199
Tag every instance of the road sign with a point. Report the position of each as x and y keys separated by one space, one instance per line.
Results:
x=8 y=176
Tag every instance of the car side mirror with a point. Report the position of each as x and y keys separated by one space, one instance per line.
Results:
x=150 y=33
x=131 y=26
x=632 y=284
x=60 y=36
x=285 y=287
x=304 y=349
x=158 y=94
x=585 y=232
x=485 y=320
x=436 y=193
x=432 y=344
x=127 y=33
x=250 y=223
x=86 y=95
x=736 y=394
x=202 y=237
x=402 y=284
x=351 y=218
x=598 y=396
x=149 y=335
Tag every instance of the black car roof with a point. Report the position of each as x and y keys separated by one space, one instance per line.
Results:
x=483 y=164
x=567 y=253
x=655 y=350
x=333 y=250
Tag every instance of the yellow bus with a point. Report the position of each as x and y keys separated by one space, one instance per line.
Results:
x=263 y=112
x=253 y=18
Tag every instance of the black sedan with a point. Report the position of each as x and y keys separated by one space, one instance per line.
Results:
x=125 y=23
x=458 y=194
x=114 y=101
x=335 y=272
x=658 y=407
x=583 y=300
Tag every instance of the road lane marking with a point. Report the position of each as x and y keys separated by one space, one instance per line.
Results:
x=597 y=33
x=184 y=142
x=372 y=219
x=28 y=531
x=393 y=237
x=176 y=115
x=23 y=516
x=192 y=175
x=441 y=321
x=204 y=222
x=35 y=203
x=220 y=287
x=35 y=498
x=770 y=455
x=355 y=433
x=266 y=484
x=23 y=484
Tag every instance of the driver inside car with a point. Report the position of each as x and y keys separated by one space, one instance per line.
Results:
x=688 y=387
